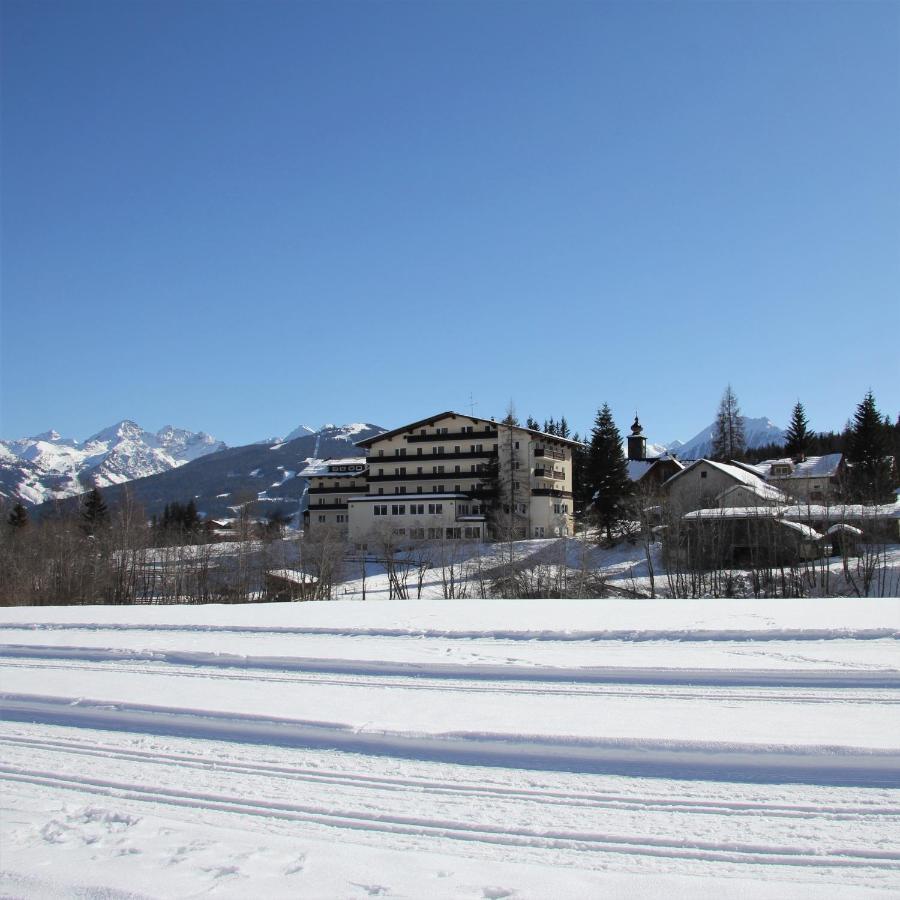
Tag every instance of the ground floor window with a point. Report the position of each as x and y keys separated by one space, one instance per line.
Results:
x=473 y=533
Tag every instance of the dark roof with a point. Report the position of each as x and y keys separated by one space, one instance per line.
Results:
x=367 y=442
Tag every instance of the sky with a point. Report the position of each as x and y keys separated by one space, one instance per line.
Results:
x=243 y=216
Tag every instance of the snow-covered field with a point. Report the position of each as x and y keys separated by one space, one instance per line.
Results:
x=458 y=748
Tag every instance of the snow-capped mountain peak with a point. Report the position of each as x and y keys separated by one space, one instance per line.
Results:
x=48 y=466
x=757 y=432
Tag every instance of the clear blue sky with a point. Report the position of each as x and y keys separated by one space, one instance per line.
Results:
x=242 y=216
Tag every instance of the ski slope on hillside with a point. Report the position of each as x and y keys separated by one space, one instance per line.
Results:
x=459 y=748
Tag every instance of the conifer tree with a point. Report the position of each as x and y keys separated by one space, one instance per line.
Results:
x=799 y=437
x=728 y=433
x=607 y=472
x=94 y=511
x=562 y=428
x=871 y=475
x=18 y=518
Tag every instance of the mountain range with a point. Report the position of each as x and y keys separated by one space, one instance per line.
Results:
x=217 y=480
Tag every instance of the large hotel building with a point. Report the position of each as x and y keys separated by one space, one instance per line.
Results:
x=430 y=480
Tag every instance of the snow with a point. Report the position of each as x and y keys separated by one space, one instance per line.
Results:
x=757 y=432
x=455 y=748
x=53 y=467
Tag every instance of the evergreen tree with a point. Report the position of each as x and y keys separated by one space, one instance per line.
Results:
x=532 y=423
x=799 y=437
x=580 y=494
x=562 y=428
x=607 y=473
x=18 y=518
x=94 y=511
x=728 y=432
x=868 y=454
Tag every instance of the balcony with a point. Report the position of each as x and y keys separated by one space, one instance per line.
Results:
x=549 y=453
x=553 y=474
x=486 y=434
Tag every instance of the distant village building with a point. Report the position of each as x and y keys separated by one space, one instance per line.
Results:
x=703 y=482
x=815 y=478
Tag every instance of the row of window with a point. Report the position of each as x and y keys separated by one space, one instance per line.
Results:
x=454 y=533
x=415 y=509
x=436 y=451
x=435 y=489
x=341 y=518
x=435 y=470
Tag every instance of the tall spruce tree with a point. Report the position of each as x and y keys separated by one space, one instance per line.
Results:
x=799 y=437
x=18 y=518
x=728 y=433
x=871 y=476
x=607 y=473
x=94 y=512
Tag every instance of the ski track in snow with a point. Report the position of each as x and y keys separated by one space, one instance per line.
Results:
x=148 y=763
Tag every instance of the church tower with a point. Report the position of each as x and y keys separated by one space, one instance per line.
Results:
x=637 y=443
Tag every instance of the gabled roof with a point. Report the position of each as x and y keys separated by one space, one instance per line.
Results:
x=738 y=473
x=412 y=426
x=638 y=468
x=826 y=466
x=762 y=491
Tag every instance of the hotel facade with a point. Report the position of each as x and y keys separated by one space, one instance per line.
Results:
x=436 y=478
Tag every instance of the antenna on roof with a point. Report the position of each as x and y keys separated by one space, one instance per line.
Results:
x=472 y=404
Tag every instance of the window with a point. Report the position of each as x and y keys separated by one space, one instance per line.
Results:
x=418 y=470
x=341 y=518
x=435 y=509
x=473 y=533
x=400 y=470
x=418 y=451
x=322 y=519
x=401 y=532
x=440 y=489
x=381 y=471
x=456 y=449
x=379 y=509
x=321 y=501
x=454 y=534
x=398 y=509
x=381 y=452
x=435 y=533
x=437 y=470
x=417 y=509
x=418 y=488
x=462 y=509
x=457 y=489
x=539 y=531
x=417 y=534
x=441 y=430
x=456 y=469
x=422 y=432
x=703 y=474
x=380 y=490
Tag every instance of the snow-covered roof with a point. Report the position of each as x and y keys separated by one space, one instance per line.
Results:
x=812 y=467
x=802 y=512
x=818 y=466
x=638 y=468
x=320 y=467
x=762 y=491
x=294 y=576
x=738 y=473
x=807 y=532
x=844 y=528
